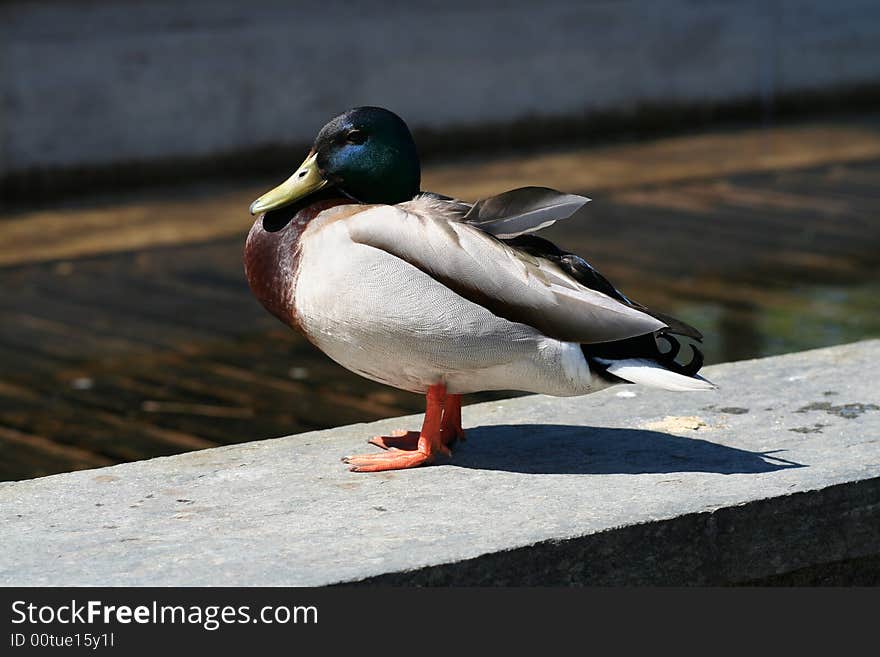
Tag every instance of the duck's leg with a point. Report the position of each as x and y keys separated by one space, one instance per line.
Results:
x=430 y=442
x=450 y=429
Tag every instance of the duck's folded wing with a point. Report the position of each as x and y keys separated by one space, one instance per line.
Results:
x=510 y=283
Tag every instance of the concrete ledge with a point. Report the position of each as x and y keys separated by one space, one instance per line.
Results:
x=777 y=472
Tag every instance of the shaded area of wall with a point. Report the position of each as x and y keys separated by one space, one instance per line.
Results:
x=227 y=86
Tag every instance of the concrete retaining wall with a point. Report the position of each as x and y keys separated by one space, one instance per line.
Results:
x=98 y=82
x=775 y=475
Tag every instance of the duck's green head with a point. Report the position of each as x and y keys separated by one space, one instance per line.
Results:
x=367 y=154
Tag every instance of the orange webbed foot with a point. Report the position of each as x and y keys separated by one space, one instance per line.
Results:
x=408 y=449
x=402 y=439
x=393 y=459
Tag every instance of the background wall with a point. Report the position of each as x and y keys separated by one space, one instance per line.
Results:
x=95 y=82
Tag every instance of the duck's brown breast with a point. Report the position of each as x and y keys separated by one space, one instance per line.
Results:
x=271 y=256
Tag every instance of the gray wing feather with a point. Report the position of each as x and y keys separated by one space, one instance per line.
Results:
x=508 y=282
x=523 y=210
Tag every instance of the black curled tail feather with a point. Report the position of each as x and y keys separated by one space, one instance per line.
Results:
x=646 y=347
x=667 y=359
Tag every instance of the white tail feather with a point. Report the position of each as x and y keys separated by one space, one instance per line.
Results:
x=649 y=373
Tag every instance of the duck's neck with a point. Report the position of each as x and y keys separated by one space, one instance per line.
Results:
x=271 y=256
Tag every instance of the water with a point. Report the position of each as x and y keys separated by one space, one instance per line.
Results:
x=127 y=329
x=803 y=317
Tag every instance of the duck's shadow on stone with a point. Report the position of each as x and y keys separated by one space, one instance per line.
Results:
x=567 y=449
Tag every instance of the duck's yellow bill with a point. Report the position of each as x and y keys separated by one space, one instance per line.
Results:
x=305 y=181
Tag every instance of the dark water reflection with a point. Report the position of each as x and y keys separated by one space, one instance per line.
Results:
x=159 y=349
x=795 y=319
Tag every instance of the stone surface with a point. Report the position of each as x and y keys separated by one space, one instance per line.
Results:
x=97 y=82
x=777 y=471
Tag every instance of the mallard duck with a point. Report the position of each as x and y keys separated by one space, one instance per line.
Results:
x=439 y=296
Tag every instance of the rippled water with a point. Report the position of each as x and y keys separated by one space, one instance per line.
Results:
x=806 y=317
x=127 y=329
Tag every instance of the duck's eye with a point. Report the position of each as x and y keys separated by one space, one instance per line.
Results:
x=356 y=137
